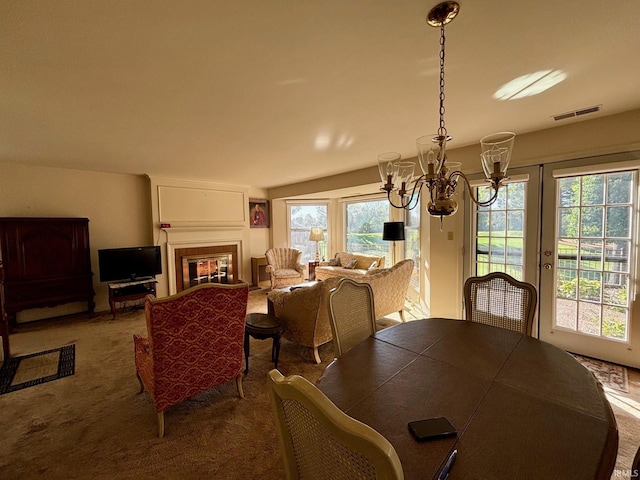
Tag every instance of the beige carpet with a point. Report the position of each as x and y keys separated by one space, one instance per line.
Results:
x=94 y=425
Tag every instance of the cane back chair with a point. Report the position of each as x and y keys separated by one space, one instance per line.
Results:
x=321 y=441
x=351 y=314
x=500 y=300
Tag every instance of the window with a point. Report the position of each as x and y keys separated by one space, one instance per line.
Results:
x=364 y=221
x=301 y=218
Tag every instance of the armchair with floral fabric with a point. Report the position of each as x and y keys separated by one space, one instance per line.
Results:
x=284 y=267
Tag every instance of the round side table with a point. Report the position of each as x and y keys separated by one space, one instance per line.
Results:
x=262 y=326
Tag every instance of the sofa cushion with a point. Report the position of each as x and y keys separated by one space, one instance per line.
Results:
x=344 y=258
x=351 y=264
x=288 y=272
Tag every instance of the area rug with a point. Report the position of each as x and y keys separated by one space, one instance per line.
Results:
x=609 y=375
x=36 y=368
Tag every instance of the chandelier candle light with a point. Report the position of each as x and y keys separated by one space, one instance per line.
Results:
x=439 y=176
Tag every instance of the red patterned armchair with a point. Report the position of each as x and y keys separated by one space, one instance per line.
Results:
x=195 y=341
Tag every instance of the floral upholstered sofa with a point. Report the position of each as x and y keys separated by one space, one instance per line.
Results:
x=349 y=265
x=304 y=311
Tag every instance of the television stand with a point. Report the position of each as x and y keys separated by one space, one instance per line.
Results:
x=126 y=291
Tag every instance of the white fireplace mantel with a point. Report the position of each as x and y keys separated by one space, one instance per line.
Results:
x=194 y=214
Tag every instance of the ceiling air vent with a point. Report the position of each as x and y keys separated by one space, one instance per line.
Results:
x=577 y=113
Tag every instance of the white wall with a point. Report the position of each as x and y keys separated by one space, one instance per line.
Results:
x=120 y=211
x=203 y=213
x=117 y=206
x=443 y=281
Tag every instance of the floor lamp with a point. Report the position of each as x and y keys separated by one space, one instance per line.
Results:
x=393 y=231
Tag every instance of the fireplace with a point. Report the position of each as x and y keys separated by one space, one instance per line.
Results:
x=207 y=268
x=208 y=264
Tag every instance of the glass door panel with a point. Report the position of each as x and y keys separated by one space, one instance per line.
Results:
x=499 y=233
x=503 y=237
x=593 y=254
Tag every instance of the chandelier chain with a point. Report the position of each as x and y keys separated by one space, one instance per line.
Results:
x=442 y=131
x=438 y=177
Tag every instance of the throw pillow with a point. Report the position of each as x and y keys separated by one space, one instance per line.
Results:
x=344 y=258
x=334 y=262
x=351 y=264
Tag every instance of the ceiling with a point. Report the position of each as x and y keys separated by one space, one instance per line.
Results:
x=269 y=93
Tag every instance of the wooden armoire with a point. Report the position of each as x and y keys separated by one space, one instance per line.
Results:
x=44 y=262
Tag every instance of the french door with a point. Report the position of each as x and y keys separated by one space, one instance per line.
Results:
x=578 y=245
x=589 y=257
x=503 y=237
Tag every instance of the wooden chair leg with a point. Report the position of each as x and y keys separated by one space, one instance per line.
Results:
x=161 y=424
x=316 y=355
x=239 y=385
x=402 y=316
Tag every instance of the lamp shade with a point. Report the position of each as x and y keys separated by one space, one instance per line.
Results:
x=393 y=231
x=316 y=234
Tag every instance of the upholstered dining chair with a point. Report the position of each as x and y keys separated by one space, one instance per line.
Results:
x=500 y=300
x=284 y=267
x=195 y=342
x=320 y=441
x=351 y=314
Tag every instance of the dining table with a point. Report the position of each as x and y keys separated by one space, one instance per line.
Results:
x=522 y=408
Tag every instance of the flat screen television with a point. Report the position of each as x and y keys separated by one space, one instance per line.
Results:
x=129 y=263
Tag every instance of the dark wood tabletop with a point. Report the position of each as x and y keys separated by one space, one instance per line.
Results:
x=523 y=409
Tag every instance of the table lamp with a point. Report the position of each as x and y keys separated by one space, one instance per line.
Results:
x=393 y=231
x=316 y=235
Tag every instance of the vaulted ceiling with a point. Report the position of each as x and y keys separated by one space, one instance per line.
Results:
x=267 y=93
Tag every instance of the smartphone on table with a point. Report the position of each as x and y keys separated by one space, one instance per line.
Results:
x=431 y=428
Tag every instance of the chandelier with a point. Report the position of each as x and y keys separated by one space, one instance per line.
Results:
x=439 y=176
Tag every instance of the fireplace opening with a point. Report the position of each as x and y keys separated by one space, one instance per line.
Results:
x=199 y=269
x=205 y=264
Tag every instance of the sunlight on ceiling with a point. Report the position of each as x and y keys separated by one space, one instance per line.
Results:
x=327 y=140
x=530 y=84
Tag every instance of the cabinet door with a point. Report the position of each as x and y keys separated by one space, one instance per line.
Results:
x=43 y=248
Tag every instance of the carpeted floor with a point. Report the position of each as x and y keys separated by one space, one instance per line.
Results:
x=94 y=425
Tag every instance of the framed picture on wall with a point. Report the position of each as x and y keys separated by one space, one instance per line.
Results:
x=258 y=213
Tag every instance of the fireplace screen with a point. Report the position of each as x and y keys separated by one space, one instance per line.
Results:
x=199 y=269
